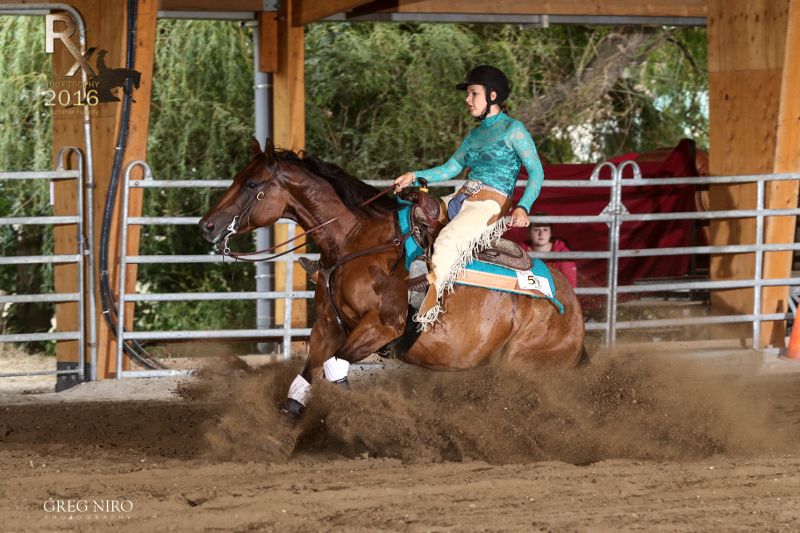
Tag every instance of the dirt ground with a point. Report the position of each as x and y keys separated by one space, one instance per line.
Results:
x=628 y=443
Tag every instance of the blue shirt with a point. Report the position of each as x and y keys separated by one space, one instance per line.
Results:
x=494 y=151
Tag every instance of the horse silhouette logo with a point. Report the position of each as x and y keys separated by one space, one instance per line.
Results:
x=108 y=79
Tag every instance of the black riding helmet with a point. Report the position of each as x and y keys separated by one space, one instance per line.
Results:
x=492 y=79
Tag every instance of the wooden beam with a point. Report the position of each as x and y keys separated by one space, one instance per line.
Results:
x=746 y=41
x=650 y=8
x=211 y=5
x=268 y=41
x=289 y=131
x=136 y=149
x=106 y=28
x=307 y=11
x=784 y=194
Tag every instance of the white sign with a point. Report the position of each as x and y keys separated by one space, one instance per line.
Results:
x=528 y=280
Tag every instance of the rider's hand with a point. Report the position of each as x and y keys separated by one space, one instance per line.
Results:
x=519 y=218
x=404 y=181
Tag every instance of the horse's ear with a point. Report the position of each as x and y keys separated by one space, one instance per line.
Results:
x=255 y=146
x=269 y=151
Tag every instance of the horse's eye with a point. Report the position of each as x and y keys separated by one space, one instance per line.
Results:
x=252 y=184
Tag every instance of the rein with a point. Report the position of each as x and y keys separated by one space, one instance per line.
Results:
x=246 y=256
x=327 y=272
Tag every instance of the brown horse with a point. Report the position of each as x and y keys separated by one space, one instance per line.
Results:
x=369 y=292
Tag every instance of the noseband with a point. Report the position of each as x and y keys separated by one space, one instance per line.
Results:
x=233 y=227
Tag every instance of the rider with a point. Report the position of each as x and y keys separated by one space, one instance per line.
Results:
x=494 y=151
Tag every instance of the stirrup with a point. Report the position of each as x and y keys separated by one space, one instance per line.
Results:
x=418 y=283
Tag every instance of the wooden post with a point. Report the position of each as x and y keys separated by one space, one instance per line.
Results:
x=746 y=44
x=783 y=194
x=289 y=129
x=106 y=29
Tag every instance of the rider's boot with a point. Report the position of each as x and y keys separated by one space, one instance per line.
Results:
x=418 y=283
x=430 y=302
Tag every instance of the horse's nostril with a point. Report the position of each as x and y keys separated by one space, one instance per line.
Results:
x=210 y=225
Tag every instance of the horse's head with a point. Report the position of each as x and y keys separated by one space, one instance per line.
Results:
x=255 y=199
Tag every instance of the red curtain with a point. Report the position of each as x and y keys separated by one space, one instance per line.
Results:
x=642 y=199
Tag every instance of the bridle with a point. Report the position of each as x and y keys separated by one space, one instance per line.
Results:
x=233 y=228
x=326 y=272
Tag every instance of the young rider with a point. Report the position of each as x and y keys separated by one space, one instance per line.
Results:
x=494 y=151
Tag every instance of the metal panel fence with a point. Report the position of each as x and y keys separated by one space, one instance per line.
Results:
x=82 y=258
x=614 y=216
x=288 y=294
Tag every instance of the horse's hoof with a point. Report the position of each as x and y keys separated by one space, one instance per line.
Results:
x=342 y=383
x=291 y=411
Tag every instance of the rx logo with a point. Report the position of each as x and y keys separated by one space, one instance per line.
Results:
x=103 y=79
x=81 y=60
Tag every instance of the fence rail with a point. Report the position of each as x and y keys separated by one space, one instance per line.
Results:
x=287 y=333
x=81 y=259
x=615 y=215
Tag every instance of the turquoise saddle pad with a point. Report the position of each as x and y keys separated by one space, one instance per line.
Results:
x=413 y=251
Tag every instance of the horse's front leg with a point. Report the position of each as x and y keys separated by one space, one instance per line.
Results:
x=370 y=334
x=326 y=337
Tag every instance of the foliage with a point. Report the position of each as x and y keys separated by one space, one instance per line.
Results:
x=381 y=98
x=201 y=124
x=380 y=101
x=25 y=144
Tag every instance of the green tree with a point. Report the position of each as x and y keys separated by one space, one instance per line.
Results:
x=380 y=100
x=201 y=124
x=25 y=144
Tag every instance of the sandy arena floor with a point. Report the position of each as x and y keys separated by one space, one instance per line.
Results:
x=637 y=443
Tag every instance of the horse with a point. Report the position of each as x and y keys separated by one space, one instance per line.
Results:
x=364 y=306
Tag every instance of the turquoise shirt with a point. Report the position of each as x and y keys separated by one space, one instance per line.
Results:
x=494 y=151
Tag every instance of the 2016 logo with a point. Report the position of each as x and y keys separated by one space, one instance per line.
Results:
x=101 y=82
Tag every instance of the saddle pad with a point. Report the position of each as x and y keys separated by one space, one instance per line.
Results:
x=490 y=276
x=536 y=282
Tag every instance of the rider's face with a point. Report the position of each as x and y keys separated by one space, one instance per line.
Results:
x=476 y=99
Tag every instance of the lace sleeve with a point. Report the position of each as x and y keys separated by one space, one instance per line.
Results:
x=449 y=170
x=523 y=144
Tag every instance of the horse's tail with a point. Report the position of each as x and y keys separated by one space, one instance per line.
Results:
x=583 y=360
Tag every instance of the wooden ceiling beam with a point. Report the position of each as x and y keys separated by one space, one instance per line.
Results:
x=635 y=8
x=306 y=11
x=211 y=5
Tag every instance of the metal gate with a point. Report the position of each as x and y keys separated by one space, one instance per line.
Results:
x=82 y=258
x=614 y=215
x=288 y=294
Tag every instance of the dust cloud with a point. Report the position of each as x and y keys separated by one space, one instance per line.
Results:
x=631 y=407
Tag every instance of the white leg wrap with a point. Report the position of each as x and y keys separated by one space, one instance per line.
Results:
x=335 y=369
x=300 y=390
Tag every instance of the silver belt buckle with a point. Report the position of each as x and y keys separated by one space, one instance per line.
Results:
x=472 y=186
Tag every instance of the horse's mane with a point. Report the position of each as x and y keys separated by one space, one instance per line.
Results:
x=351 y=190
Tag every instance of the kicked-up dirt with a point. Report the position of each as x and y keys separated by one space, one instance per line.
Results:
x=628 y=443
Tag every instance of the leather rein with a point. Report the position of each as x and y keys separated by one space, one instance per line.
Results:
x=326 y=272
x=246 y=256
